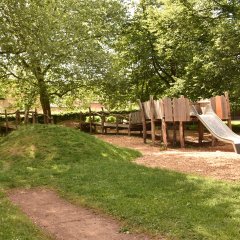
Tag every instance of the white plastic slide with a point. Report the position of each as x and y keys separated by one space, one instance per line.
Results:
x=217 y=127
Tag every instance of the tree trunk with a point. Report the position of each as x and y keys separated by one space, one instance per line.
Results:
x=44 y=99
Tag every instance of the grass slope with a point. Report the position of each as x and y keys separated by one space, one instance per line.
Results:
x=96 y=174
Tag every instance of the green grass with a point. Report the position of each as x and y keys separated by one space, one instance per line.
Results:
x=96 y=174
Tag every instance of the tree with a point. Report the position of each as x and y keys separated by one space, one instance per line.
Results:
x=56 y=45
x=141 y=71
x=201 y=38
x=181 y=47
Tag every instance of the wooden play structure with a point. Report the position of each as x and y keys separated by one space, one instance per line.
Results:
x=165 y=114
x=119 y=121
x=174 y=113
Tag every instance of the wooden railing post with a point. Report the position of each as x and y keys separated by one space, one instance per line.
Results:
x=81 y=121
x=90 y=119
x=143 y=121
x=6 y=121
x=26 y=116
x=153 y=128
x=36 y=115
x=229 y=120
x=129 y=124
x=103 y=119
x=200 y=132
x=164 y=124
x=17 y=118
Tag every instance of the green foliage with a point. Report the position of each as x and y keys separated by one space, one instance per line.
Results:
x=99 y=175
x=200 y=39
x=53 y=47
x=174 y=48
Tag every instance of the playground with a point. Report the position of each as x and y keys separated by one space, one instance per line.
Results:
x=119 y=120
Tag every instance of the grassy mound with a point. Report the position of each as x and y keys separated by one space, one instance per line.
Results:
x=35 y=155
x=99 y=175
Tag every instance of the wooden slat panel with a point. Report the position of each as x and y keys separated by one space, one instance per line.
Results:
x=158 y=109
x=147 y=109
x=224 y=107
x=177 y=111
x=218 y=100
x=167 y=107
x=136 y=117
x=181 y=109
x=213 y=103
x=228 y=110
x=188 y=109
x=218 y=106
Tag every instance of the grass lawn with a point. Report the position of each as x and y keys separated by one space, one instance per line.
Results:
x=96 y=174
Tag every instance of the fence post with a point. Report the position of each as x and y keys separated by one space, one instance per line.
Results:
x=6 y=120
x=26 y=116
x=143 y=121
x=229 y=120
x=90 y=120
x=36 y=115
x=17 y=118
x=153 y=129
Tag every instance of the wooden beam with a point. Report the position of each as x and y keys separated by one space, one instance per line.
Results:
x=164 y=132
x=6 y=121
x=200 y=132
x=143 y=121
x=181 y=134
x=153 y=128
x=229 y=120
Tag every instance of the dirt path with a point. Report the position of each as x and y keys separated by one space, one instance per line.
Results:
x=219 y=162
x=65 y=221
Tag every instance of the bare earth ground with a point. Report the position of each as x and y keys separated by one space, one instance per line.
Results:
x=64 y=221
x=219 y=162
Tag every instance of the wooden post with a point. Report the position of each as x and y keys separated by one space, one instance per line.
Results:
x=174 y=133
x=90 y=120
x=229 y=120
x=213 y=141
x=200 y=132
x=153 y=128
x=6 y=120
x=164 y=132
x=103 y=118
x=17 y=118
x=129 y=124
x=143 y=121
x=181 y=134
x=26 y=116
x=36 y=115
x=33 y=118
x=80 y=121
x=102 y=123
x=164 y=123
x=117 y=122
